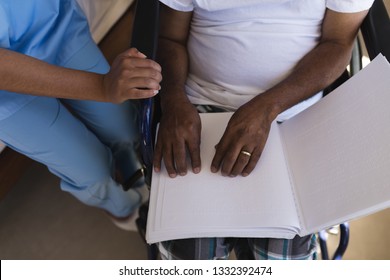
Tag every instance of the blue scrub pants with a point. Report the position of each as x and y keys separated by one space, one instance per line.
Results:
x=82 y=142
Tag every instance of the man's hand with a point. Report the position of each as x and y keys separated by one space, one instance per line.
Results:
x=179 y=132
x=241 y=145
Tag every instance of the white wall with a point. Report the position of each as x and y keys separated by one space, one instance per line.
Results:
x=102 y=14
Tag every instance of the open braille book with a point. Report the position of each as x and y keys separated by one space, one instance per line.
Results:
x=326 y=165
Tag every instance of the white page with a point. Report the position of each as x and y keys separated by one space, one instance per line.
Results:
x=208 y=204
x=339 y=150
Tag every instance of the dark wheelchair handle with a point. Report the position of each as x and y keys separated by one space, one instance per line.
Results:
x=145 y=38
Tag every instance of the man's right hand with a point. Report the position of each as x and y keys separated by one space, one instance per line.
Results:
x=179 y=132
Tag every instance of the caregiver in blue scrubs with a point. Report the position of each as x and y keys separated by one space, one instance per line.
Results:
x=62 y=105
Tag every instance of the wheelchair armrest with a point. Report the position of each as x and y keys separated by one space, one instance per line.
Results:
x=145 y=39
x=376 y=30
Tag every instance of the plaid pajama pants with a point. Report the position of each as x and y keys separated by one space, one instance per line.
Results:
x=298 y=248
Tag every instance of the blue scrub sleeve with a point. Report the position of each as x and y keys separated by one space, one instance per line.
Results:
x=4 y=27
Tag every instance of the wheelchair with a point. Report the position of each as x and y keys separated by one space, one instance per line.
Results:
x=374 y=38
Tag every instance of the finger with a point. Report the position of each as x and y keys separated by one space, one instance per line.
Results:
x=179 y=157
x=148 y=63
x=126 y=61
x=141 y=83
x=194 y=151
x=157 y=157
x=254 y=158
x=140 y=62
x=224 y=158
x=217 y=159
x=146 y=73
x=228 y=162
x=169 y=161
x=140 y=93
x=241 y=162
x=134 y=52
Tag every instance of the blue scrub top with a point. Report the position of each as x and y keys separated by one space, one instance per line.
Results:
x=50 y=30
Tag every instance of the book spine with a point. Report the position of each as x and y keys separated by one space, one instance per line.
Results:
x=291 y=179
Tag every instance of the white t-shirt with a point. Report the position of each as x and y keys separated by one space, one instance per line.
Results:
x=239 y=49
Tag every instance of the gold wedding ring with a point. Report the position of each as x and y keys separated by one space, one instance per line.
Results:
x=246 y=153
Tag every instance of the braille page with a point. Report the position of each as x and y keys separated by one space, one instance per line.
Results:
x=210 y=205
x=339 y=150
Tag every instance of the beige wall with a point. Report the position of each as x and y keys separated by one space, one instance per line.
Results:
x=387 y=3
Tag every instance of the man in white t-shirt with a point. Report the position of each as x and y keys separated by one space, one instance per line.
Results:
x=263 y=59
